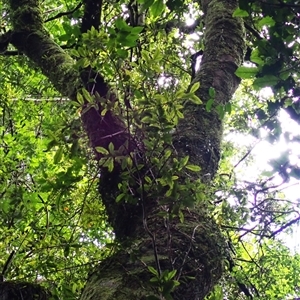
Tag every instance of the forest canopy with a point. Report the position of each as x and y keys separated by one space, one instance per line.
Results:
x=129 y=132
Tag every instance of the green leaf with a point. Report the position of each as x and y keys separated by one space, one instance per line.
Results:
x=147 y=4
x=111 y=148
x=246 y=72
x=180 y=94
x=167 y=153
x=212 y=92
x=122 y=53
x=157 y=55
x=255 y=57
x=87 y=96
x=102 y=150
x=181 y=216
x=146 y=120
x=157 y=8
x=125 y=42
x=81 y=51
x=228 y=108
x=85 y=62
x=221 y=111
x=171 y=274
x=132 y=37
x=80 y=98
x=266 y=21
x=129 y=162
x=183 y=162
x=195 y=87
x=193 y=168
x=58 y=155
x=240 y=13
x=75 y=103
x=195 y=99
x=267 y=80
x=120 y=197
x=122 y=25
x=124 y=164
x=153 y=271
x=109 y=164
x=137 y=29
x=209 y=105
x=180 y=115
x=74 y=52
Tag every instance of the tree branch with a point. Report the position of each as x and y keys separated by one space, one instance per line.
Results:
x=288 y=224
x=200 y=133
x=66 y=13
x=253 y=31
x=30 y=38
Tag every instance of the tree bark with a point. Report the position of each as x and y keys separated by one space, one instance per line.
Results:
x=194 y=248
x=201 y=131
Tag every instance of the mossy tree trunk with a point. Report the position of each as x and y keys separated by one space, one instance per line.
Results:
x=196 y=247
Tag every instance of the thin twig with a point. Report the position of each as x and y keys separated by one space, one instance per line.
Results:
x=66 y=13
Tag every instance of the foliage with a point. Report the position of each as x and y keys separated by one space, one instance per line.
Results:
x=54 y=227
x=48 y=190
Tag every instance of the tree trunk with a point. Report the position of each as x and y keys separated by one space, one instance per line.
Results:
x=194 y=248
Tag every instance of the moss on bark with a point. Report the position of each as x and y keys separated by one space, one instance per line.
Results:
x=31 y=39
x=200 y=133
x=195 y=248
